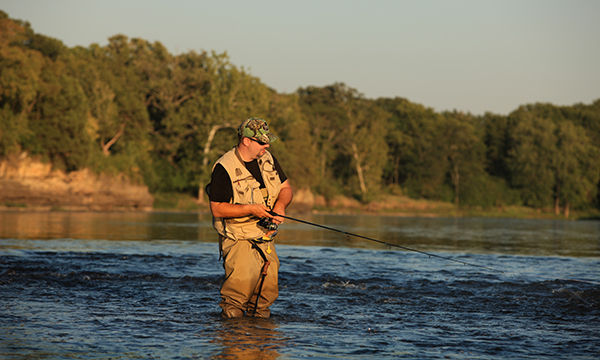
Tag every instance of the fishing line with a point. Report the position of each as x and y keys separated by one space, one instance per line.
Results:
x=387 y=243
x=573 y=294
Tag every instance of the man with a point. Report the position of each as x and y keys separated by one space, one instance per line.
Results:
x=247 y=184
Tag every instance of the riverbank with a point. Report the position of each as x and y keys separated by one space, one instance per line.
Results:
x=27 y=183
x=30 y=185
x=392 y=205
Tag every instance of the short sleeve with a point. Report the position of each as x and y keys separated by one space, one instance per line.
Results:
x=219 y=189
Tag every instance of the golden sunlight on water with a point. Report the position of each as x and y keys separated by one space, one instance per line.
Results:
x=473 y=235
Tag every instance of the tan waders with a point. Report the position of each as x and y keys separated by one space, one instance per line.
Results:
x=250 y=284
x=245 y=289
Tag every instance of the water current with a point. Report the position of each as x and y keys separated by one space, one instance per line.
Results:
x=146 y=286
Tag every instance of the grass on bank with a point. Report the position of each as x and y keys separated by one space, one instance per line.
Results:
x=177 y=201
x=392 y=205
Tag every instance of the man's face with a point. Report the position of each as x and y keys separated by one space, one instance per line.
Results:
x=257 y=148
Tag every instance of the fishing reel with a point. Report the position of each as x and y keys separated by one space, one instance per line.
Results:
x=267 y=224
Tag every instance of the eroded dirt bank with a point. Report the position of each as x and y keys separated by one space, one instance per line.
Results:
x=28 y=183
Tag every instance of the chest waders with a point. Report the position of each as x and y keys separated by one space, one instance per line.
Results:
x=263 y=271
x=263 y=274
x=245 y=275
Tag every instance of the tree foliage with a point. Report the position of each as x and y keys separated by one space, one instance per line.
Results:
x=132 y=107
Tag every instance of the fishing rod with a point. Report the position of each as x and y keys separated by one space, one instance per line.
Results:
x=386 y=243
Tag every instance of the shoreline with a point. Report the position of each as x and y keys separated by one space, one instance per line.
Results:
x=509 y=212
x=30 y=185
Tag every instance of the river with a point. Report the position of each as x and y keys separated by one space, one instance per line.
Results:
x=84 y=285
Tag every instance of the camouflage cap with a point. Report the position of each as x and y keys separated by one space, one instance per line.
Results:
x=257 y=129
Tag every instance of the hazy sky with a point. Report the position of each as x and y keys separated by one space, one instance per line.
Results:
x=469 y=55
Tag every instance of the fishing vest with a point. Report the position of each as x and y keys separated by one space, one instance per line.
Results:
x=246 y=190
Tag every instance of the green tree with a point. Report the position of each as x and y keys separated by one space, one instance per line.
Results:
x=417 y=157
x=172 y=87
x=294 y=151
x=496 y=137
x=20 y=78
x=325 y=117
x=118 y=117
x=229 y=96
x=365 y=142
x=531 y=157
x=465 y=150
x=347 y=129
x=132 y=107
x=553 y=160
x=58 y=120
x=576 y=167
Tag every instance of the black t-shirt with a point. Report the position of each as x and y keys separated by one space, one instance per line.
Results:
x=220 y=190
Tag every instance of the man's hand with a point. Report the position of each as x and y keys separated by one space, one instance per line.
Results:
x=260 y=211
x=277 y=219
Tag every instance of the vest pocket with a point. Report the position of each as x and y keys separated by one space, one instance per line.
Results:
x=247 y=192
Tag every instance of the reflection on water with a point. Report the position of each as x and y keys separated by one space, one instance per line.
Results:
x=107 y=226
x=473 y=235
x=248 y=338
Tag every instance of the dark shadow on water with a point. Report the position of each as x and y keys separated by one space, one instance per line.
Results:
x=589 y=218
x=248 y=338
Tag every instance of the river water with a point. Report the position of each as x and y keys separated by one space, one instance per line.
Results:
x=146 y=286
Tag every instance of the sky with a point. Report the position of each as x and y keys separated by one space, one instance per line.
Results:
x=473 y=56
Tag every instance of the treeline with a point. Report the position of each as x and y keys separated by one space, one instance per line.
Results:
x=132 y=107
